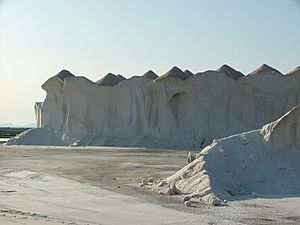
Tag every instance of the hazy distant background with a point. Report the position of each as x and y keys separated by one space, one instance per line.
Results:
x=38 y=38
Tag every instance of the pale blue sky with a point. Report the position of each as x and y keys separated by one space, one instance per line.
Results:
x=38 y=38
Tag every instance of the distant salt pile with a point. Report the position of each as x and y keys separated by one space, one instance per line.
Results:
x=150 y=74
x=188 y=73
x=109 y=80
x=62 y=75
x=37 y=136
x=178 y=109
x=230 y=71
x=175 y=72
x=264 y=69
x=264 y=161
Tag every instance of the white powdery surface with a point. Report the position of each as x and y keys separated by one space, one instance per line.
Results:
x=28 y=197
x=264 y=161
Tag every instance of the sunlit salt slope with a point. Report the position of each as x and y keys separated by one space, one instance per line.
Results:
x=264 y=161
x=178 y=109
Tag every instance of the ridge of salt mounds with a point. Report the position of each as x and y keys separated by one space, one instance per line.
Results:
x=109 y=80
x=259 y=162
x=36 y=136
x=230 y=71
x=172 y=113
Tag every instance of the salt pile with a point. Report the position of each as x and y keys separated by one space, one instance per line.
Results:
x=37 y=136
x=176 y=110
x=264 y=69
x=230 y=72
x=175 y=72
x=264 y=161
x=150 y=74
x=110 y=80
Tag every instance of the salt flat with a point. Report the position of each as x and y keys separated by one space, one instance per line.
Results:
x=55 y=185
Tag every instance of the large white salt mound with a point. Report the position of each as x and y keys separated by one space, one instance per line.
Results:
x=264 y=161
x=36 y=136
x=176 y=110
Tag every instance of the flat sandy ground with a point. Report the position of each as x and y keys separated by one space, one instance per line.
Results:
x=58 y=185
